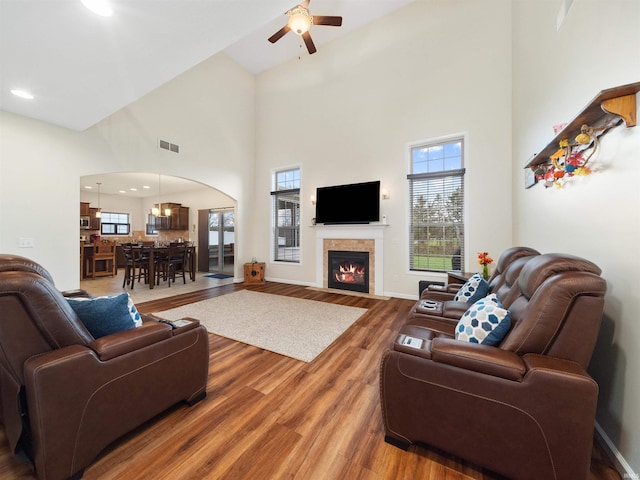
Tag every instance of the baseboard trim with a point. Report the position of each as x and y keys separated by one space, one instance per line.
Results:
x=289 y=282
x=619 y=462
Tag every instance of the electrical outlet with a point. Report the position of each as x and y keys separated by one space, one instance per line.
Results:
x=26 y=242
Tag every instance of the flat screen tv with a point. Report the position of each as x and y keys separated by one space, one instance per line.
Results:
x=345 y=204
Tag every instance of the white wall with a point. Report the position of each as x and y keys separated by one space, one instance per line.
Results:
x=208 y=111
x=40 y=168
x=347 y=114
x=555 y=75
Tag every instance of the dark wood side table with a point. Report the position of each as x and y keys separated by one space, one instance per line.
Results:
x=254 y=273
x=456 y=276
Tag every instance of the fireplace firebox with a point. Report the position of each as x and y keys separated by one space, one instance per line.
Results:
x=348 y=270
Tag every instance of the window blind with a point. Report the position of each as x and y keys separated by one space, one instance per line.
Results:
x=436 y=220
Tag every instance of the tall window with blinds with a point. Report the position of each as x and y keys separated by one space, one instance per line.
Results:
x=436 y=206
x=286 y=215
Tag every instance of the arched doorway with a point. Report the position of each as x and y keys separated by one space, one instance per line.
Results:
x=135 y=194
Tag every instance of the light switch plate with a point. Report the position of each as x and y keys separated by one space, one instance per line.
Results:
x=26 y=242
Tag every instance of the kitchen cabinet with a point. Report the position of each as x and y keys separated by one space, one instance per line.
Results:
x=94 y=222
x=90 y=213
x=120 y=260
x=158 y=222
x=178 y=218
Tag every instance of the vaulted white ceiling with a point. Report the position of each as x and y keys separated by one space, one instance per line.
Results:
x=81 y=67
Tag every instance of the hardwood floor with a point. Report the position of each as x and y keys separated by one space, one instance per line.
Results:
x=267 y=416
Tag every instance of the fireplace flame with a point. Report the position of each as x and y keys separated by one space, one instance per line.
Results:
x=350 y=273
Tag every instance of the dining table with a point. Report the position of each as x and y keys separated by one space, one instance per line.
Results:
x=153 y=250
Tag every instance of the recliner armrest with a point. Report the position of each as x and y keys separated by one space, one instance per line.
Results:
x=535 y=362
x=440 y=292
x=111 y=346
x=78 y=292
x=479 y=358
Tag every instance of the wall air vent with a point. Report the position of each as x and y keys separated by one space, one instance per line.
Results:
x=169 y=146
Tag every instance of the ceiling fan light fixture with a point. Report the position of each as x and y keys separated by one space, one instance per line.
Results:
x=300 y=20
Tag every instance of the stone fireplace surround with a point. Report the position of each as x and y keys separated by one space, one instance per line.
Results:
x=357 y=238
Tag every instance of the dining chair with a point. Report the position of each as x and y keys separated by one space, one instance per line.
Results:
x=136 y=264
x=172 y=263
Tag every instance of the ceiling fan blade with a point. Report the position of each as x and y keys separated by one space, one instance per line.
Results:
x=327 y=20
x=279 y=34
x=309 y=43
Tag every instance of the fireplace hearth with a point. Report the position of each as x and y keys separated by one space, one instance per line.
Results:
x=348 y=270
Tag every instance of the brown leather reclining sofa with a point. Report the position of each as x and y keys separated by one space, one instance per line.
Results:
x=524 y=408
x=65 y=396
x=443 y=313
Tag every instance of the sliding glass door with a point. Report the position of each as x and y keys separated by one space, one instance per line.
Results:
x=221 y=240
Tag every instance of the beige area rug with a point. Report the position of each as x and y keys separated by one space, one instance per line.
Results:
x=294 y=327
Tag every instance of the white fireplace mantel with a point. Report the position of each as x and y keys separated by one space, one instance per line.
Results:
x=366 y=232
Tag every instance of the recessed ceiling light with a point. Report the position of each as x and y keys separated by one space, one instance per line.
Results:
x=88 y=187
x=122 y=191
x=133 y=189
x=146 y=186
x=99 y=7
x=22 y=94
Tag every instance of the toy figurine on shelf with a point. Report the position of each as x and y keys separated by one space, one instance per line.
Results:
x=569 y=160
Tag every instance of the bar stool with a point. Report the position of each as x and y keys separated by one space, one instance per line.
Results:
x=104 y=254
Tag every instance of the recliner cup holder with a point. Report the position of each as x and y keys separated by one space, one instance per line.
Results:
x=428 y=304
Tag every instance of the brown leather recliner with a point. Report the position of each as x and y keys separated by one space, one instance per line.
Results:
x=65 y=395
x=525 y=408
x=448 y=292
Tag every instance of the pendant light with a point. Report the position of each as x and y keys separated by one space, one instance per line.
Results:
x=156 y=210
x=166 y=211
x=99 y=212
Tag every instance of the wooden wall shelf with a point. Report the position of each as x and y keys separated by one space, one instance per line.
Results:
x=606 y=110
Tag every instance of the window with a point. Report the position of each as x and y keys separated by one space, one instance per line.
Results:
x=286 y=215
x=114 y=223
x=436 y=196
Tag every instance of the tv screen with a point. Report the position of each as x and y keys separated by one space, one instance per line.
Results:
x=353 y=203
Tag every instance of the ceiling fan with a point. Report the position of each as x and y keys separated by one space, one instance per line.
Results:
x=300 y=21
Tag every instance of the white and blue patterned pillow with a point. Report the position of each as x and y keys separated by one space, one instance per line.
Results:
x=473 y=290
x=133 y=311
x=486 y=322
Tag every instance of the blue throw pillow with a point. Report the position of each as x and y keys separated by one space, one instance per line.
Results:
x=486 y=322
x=473 y=290
x=105 y=315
